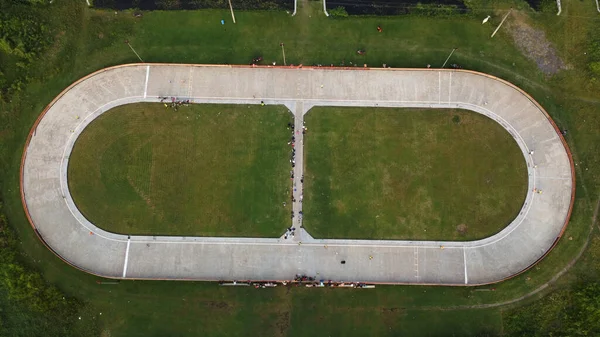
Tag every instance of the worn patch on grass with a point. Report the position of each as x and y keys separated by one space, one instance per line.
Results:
x=221 y=305
x=282 y=323
x=533 y=43
x=462 y=229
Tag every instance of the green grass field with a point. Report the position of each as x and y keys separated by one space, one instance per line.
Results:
x=410 y=174
x=88 y=40
x=209 y=170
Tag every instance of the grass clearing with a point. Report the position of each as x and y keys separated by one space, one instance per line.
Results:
x=205 y=170
x=191 y=308
x=419 y=174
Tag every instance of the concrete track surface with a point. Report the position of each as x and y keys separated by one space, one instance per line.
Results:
x=517 y=247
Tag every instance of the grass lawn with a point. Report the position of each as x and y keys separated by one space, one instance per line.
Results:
x=88 y=40
x=422 y=174
x=209 y=170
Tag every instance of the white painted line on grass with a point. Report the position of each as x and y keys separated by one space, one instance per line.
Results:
x=146 y=85
x=465 y=263
x=126 y=258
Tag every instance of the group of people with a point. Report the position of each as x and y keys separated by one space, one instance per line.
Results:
x=290 y=232
x=173 y=102
x=299 y=280
x=256 y=60
x=293 y=143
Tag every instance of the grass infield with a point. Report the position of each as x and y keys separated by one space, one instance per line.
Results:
x=410 y=174
x=210 y=170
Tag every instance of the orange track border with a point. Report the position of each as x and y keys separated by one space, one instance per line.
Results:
x=34 y=127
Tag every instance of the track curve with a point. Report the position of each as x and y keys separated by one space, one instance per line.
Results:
x=63 y=229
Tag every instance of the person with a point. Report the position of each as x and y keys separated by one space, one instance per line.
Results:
x=262 y=103
x=379 y=29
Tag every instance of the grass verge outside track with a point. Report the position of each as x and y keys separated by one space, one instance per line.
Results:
x=419 y=174
x=204 y=170
x=88 y=40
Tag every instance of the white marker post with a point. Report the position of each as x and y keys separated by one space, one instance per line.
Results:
x=452 y=52
x=136 y=54
x=231 y=8
x=500 y=25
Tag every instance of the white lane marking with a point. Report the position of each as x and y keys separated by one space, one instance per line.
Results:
x=189 y=95
x=416 y=261
x=146 y=85
x=126 y=258
x=440 y=87
x=465 y=262
x=553 y=178
x=326 y=103
x=450 y=88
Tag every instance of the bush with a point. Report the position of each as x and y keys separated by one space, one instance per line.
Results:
x=24 y=36
x=23 y=285
x=594 y=68
x=434 y=10
x=574 y=312
x=593 y=52
x=339 y=11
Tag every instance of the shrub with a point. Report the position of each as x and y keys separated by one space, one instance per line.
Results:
x=339 y=11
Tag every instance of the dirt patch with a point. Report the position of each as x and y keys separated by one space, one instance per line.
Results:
x=340 y=206
x=391 y=316
x=533 y=43
x=283 y=323
x=462 y=229
x=218 y=305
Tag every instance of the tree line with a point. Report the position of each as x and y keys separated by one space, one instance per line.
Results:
x=24 y=35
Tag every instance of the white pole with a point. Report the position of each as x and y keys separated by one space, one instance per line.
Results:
x=296 y=6
x=231 y=8
x=452 y=52
x=559 y=7
x=136 y=54
x=325 y=8
x=283 y=52
x=500 y=25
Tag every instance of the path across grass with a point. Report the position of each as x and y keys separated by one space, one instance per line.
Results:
x=375 y=173
x=204 y=170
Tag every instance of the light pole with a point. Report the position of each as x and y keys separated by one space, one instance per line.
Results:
x=133 y=50
x=283 y=52
x=500 y=25
x=452 y=52
x=231 y=8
